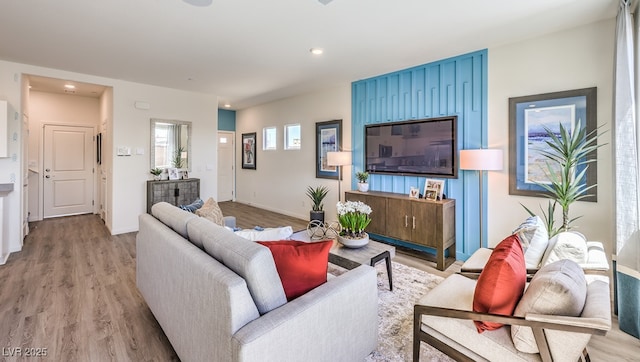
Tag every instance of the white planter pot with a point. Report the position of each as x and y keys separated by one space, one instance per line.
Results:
x=354 y=243
x=363 y=186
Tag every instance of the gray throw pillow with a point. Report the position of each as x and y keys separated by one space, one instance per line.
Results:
x=559 y=288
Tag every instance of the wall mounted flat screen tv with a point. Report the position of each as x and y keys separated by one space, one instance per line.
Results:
x=425 y=147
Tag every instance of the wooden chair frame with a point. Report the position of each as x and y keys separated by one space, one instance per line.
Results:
x=537 y=322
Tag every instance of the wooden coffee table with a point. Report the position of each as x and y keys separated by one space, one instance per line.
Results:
x=347 y=258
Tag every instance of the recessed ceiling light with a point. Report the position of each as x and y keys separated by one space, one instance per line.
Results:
x=199 y=2
x=70 y=86
x=316 y=51
x=227 y=105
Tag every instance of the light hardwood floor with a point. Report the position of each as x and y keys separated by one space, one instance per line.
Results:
x=72 y=291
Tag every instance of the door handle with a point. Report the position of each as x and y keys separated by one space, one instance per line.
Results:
x=406 y=221
x=47 y=170
x=414 y=222
x=47 y=176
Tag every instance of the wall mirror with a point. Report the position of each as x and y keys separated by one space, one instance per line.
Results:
x=170 y=144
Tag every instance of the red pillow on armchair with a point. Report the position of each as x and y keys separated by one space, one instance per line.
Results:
x=501 y=282
x=301 y=266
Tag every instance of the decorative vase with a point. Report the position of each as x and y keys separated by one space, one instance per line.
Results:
x=354 y=243
x=363 y=186
x=157 y=177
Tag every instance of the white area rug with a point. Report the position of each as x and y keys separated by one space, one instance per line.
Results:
x=395 y=311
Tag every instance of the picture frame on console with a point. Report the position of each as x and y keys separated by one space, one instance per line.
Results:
x=328 y=139
x=173 y=173
x=433 y=189
x=528 y=117
x=249 y=151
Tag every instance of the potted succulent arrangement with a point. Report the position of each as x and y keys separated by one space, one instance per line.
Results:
x=353 y=217
x=362 y=177
x=565 y=153
x=156 y=172
x=317 y=195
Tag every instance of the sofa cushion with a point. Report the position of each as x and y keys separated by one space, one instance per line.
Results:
x=302 y=266
x=252 y=261
x=266 y=234
x=501 y=282
x=534 y=237
x=566 y=245
x=211 y=211
x=559 y=288
x=172 y=216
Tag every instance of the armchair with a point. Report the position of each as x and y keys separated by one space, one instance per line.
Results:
x=444 y=319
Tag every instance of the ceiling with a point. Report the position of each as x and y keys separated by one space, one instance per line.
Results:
x=248 y=52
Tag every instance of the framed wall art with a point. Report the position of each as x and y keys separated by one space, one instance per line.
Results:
x=328 y=139
x=528 y=117
x=249 y=150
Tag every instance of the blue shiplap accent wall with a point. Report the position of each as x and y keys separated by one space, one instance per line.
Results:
x=226 y=120
x=454 y=86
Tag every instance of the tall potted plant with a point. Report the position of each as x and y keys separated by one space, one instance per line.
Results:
x=566 y=153
x=317 y=195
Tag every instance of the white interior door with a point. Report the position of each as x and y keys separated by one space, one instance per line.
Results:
x=226 y=166
x=68 y=170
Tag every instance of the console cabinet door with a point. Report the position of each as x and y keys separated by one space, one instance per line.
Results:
x=378 y=214
x=399 y=219
x=426 y=223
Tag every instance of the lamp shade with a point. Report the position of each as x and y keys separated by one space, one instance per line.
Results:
x=338 y=158
x=481 y=159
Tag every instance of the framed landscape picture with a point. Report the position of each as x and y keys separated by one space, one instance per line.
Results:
x=529 y=118
x=328 y=139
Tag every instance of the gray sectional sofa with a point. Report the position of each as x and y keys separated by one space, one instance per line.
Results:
x=218 y=297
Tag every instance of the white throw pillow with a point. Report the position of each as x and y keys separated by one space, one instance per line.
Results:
x=267 y=234
x=534 y=237
x=566 y=245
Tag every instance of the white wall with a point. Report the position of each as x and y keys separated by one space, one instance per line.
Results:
x=573 y=59
x=281 y=177
x=129 y=126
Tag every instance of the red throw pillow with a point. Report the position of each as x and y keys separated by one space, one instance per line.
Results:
x=301 y=266
x=501 y=283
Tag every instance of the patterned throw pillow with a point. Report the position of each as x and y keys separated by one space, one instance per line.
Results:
x=192 y=207
x=211 y=211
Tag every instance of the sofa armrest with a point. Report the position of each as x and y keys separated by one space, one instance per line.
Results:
x=337 y=321
x=592 y=325
x=597 y=260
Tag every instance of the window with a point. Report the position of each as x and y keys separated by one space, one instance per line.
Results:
x=292 y=137
x=269 y=138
